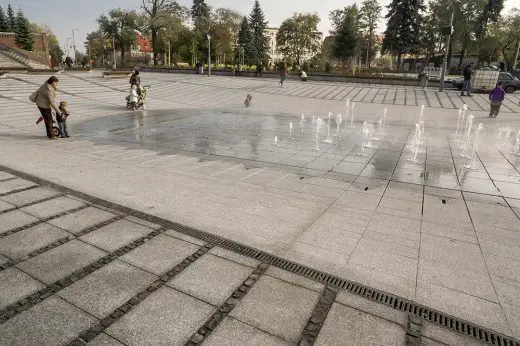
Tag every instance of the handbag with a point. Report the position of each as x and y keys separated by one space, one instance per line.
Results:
x=34 y=96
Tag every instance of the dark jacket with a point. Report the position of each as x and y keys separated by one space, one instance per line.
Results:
x=135 y=80
x=468 y=72
x=282 y=69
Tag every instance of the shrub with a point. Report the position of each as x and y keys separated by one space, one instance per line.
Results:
x=328 y=67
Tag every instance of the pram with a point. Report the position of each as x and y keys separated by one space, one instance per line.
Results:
x=138 y=100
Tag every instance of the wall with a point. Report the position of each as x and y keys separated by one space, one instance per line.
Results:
x=7 y=38
x=40 y=42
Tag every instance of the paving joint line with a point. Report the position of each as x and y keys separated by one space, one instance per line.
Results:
x=12 y=192
x=40 y=221
x=476 y=234
x=32 y=203
x=223 y=311
x=436 y=317
x=319 y=314
x=138 y=298
x=23 y=304
x=60 y=242
x=7 y=179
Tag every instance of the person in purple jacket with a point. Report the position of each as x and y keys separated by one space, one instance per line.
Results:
x=496 y=97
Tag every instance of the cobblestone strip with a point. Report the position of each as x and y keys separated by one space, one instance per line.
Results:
x=115 y=315
x=218 y=316
x=14 y=309
x=18 y=190
x=60 y=242
x=40 y=221
x=32 y=203
x=413 y=331
x=319 y=314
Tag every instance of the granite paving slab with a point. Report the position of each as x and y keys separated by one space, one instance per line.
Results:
x=61 y=261
x=277 y=307
x=359 y=328
x=52 y=322
x=108 y=288
x=83 y=219
x=116 y=235
x=167 y=317
x=14 y=219
x=30 y=196
x=22 y=243
x=14 y=185
x=203 y=279
x=15 y=285
x=160 y=254
x=232 y=332
x=52 y=207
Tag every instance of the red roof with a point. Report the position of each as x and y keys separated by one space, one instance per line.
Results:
x=144 y=44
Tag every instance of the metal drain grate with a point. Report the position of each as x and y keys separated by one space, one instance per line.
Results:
x=433 y=316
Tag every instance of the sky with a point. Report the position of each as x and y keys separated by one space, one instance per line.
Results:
x=65 y=15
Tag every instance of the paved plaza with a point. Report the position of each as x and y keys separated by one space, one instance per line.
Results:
x=426 y=229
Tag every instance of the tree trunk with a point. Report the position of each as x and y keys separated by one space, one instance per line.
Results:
x=122 y=56
x=398 y=62
x=450 y=53
x=154 y=46
x=461 y=59
x=369 y=58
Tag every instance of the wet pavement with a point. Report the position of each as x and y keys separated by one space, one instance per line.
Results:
x=249 y=138
x=420 y=225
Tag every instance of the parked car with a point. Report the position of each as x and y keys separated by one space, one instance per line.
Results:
x=509 y=82
x=515 y=73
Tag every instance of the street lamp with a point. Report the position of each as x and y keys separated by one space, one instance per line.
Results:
x=448 y=42
x=209 y=54
x=114 y=48
x=74 y=46
x=104 y=53
x=67 y=45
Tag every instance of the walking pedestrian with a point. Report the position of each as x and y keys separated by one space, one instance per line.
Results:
x=45 y=99
x=496 y=98
x=259 y=69
x=283 y=72
x=468 y=73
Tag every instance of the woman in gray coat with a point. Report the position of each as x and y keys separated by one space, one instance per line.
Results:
x=46 y=102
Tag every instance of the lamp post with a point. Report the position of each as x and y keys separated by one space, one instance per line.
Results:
x=89 y=54
x=114 y=48
x=104 y=53
x=67 y=51
x=209 y=55
x=448 y=42
x=169 y=53
x=74 y=46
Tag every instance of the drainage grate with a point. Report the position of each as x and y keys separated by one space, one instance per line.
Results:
x=420 y=311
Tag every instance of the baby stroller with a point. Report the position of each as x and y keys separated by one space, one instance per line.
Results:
x=137 y=98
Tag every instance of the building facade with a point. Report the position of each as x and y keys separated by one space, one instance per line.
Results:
x=142 y=51
x=274 y=55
